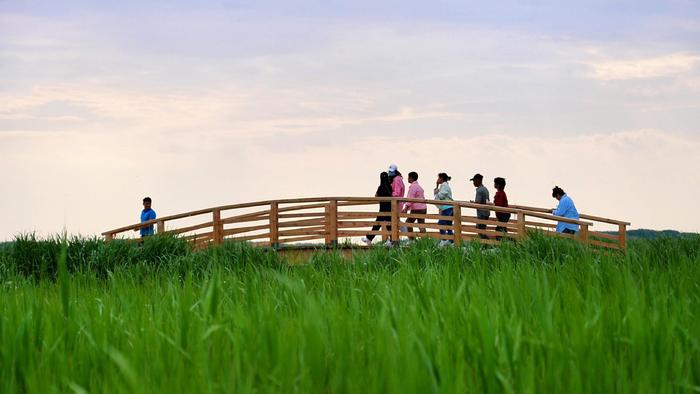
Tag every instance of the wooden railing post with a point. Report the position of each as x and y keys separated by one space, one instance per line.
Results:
x=274 y=222
x=218 y=227
x=161 y=226
x=583 y=233
x=109 y=237
x=332 y=223
x=457 y=225
x=622 y=236
x=521 y=225
x=395 y=222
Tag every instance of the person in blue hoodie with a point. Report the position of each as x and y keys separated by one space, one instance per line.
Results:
x=567 y=209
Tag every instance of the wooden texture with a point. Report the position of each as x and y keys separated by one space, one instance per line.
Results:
x=457 y=225
x=622 y=234
x=395 y=222
x=293 y=220
x=332 y=223
x=274 y=211
x=218 y=227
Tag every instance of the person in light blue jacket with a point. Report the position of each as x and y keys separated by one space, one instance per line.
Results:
x=567 y=209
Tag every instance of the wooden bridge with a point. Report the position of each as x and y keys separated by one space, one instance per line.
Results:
x=342 y=220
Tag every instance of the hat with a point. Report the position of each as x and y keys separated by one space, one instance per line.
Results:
x=477 y=176
x=393 y=168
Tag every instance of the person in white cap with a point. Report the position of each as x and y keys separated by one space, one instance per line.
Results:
x=397 y=186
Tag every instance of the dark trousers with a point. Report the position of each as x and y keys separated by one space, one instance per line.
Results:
x=443 y=222
x=377 y=227
x=568 y=231
x=503 y=218
x=414 y=220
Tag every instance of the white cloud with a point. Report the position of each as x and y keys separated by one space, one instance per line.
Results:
x=649 y=67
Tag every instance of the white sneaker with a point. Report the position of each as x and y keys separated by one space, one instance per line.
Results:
x=444 y=243
x=367 y=241
x=388 y=244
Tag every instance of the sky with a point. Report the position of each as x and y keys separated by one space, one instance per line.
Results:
x=199 y=104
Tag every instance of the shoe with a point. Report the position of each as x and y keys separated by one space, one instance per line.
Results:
x=444 y=242
x=367 y=241
x=388 y=244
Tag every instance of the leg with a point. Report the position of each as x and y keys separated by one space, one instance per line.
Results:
x=409 y=228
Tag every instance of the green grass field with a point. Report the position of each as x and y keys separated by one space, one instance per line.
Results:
x=545 y=315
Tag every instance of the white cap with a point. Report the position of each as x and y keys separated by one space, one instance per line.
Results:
x=393 y=168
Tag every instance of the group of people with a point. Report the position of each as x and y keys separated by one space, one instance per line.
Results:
x=391 y=184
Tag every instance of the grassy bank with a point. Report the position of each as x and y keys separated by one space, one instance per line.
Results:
x=542 y=316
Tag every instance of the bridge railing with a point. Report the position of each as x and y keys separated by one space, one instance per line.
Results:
x=331 y=220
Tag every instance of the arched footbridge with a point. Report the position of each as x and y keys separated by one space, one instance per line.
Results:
x=332 y=221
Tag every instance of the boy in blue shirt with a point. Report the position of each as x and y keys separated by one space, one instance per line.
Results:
x=567 y=209
x=146 y=215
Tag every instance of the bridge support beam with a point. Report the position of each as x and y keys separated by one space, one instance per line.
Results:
x=332 y=224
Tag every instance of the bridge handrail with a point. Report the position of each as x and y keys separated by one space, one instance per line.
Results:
x=329 y=225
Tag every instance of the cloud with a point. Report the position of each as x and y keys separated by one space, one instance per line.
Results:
x=649 y=67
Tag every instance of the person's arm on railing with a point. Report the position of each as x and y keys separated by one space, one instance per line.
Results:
x=562 y=208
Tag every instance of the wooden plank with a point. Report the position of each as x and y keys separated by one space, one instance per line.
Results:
x=332 y=223
x=583 y=234
x=355 y=224
x=355 y=203
x=359 y=233
x=300 y=239
x=161 y=226
x=491 y=233
x=457 y=225
x=302 y=207
x=395 y=222
x=248 y=217
x=300 y=223
x=190 y=228
x=361 y=215
x=539 y=224
x=489 y=222
x=622 y=233
x=218 y=227
x=303 y=231
x=249 y=237
x=274 y=230
x=603 y=236
x=425 y=216
x=301 y=215
x=522 y=230
x=240 y=230
x=433 y=226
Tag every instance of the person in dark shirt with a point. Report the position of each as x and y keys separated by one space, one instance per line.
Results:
x=384 y=190
x=501 y=200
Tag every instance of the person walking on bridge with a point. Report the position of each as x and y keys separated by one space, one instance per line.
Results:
x=397 y=186
x=415 y=191
x=147 y=214
x=384 y=190
x=567 y=209
x=482 y=197
x=501 y=200
x=443 y=192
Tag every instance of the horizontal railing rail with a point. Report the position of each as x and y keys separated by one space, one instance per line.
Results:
x=337 y=219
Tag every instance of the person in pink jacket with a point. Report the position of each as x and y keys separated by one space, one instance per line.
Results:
x=415 y=191
x=397 y=187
